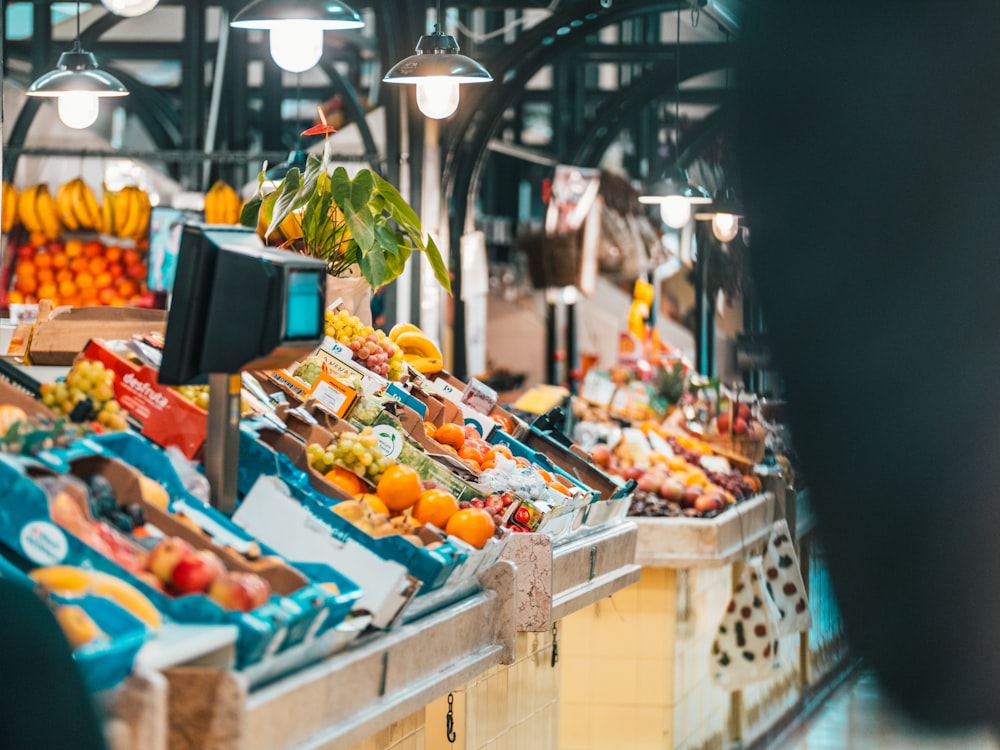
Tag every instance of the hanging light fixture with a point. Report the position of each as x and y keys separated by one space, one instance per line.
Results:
x=129 y=8
x=674 y=192
x=78 y=85
x=725 y=213
x=295 y=28
x=437 y=70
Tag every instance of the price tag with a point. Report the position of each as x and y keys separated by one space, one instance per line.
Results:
x=598 y=388
x=479 y=396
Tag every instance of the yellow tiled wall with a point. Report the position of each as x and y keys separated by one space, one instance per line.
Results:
x=407 y=734
x=507 y=708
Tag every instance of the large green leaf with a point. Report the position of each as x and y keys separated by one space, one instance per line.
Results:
x=287 y=198
x=250 y=213
x=396 y=262
x=398 y=208
x=437 y=264
x=352 y=198
x=373 y=268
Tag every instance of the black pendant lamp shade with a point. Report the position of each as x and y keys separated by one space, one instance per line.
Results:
x=675 y=184
x=725 y=202
x=264 y=14
x=437 y=57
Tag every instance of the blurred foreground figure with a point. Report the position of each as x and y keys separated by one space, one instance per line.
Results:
x=871 y=154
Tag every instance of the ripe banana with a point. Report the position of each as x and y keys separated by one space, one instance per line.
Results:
x=26 y=209
x=125 y=210
x=71 y=581
x=64 y=202
x=83 y=202
x=401 y=328
x=108 y=211
x=222 y=205
x=8 y=209
x=47 y=213
x=419 y=352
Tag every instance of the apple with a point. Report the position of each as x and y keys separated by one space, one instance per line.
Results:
x=743 y=412
x=163 y=558
x=672 y=490
x=632 y=472
x=195 y=573
x=152 y=581
x=691 y=494
x=722 y=423
x=739 y=426
x=601 y=454
x=705 y=503
x=650 y=482
x=243 y=591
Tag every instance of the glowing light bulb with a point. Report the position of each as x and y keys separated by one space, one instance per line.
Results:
x=437 y=97
x=129 y=8
x=296 y=46
x=725 y=227
x=78 y=109
x=676 y=211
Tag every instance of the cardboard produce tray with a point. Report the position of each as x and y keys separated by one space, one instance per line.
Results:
x=350 y=696
x=555 y=580
x=705 y=542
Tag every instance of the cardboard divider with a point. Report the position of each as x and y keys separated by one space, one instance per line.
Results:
x=60 y=335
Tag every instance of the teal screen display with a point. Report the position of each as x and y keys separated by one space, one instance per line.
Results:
x=303 y=315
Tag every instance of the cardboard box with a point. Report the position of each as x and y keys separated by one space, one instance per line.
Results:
x=167 y=418
x=60 y=335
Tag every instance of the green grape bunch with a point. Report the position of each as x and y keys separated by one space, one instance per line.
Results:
x=357 y=452
x=88 y=380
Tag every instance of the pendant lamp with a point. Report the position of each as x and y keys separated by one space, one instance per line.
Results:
x=78 y=85
x=129 y=8
x=295 y=28
x=437 y=70
x=674 y=192
x=725 y=213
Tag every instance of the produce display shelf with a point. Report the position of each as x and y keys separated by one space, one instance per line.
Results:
x=705 y=542
x=135 y=712
x=178 y=643
x=348 y=697
x=554 y=581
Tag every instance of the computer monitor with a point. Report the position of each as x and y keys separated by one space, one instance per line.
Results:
x=239 y=305
x=165 y=228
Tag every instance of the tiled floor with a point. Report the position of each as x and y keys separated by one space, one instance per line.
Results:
x=858 y=717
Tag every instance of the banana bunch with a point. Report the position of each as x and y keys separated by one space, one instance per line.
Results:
x=37 y=210
x=125 y=214
x=222 y=205
x=78 y=206
x=8 y=207
x=72 y=581
x=419 y=351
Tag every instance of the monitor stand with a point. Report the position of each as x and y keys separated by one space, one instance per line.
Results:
x=222 y=441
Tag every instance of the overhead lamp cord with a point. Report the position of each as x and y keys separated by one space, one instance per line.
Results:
x=677 y=91
x=476 y=37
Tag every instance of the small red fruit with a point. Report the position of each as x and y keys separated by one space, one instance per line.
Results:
x=740 y=426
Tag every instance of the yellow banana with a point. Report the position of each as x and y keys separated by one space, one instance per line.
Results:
x=81 y=207
x=222 y=205
x=145 y=209
x=64 y=202
x=26 y=209
x=108 y=211
x=127 y=596
x=90 y=206
x=62 y=579
x=8 y=211
x=417 y=345
x=48 y=215
x=401 y=328
x=424 y=365
x=125 y=207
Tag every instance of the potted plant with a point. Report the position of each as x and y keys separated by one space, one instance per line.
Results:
x=361 y=227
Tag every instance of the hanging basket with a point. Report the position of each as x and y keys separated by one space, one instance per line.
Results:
x=553 y=260
x=354 y=292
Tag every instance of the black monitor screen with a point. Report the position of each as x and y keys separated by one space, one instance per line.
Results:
x=303 y=314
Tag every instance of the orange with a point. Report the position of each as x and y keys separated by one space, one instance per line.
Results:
x=502 y=422
x=544 y=474
x=472 y=525
x=37 y=239
x=24 y=268
x=471 y=454
x=16 y=298
x=113 y=254
x=450 y=434
x=67 y=288
x=84 y=280
x=47 y=290
x=102 y=280
x=136 y=270
x=435 y=507
x=488 y=464
x=130 y=257
x=89 y=295
x=60 y=260
x=126 y=287
x=399 y=487
x=78 y=265
x=26 y=284
x=117 y=270
x=63 y=274
x=346 y=480
x=93 y=249
x=97 y=265
x=558 y=487
x=106 y=296
x=430 y=429
x=497 y=450
x=373 y=502
x=45 y=276
x=43 y=260
x=74 y=248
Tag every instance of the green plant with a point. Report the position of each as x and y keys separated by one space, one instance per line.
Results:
x=345 y=222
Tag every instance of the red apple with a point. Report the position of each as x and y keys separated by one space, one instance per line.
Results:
x=722 y=423
x=243 y=591
x=196 y=572
x=743 y=412
x=601 y=454
x=672 y=490
x=165 y=555
x=705 y=503
x=650 y=482
x=739 y=426
x=632 y=472
x=690 y=495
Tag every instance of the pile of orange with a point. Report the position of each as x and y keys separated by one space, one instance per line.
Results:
x=466 y=443
x=78 y=273
x=473 y=526
x=399 y=488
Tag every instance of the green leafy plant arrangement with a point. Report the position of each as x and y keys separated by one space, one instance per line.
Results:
x=345 y=222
